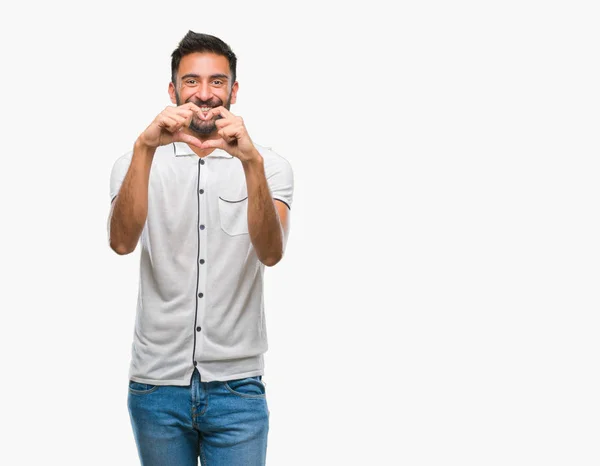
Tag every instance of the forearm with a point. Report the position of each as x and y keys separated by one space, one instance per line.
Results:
x=264 y=226
x=131 y=206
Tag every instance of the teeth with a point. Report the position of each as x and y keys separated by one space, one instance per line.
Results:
x=205 y=109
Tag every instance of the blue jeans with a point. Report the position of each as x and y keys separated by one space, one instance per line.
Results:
x=223 y=423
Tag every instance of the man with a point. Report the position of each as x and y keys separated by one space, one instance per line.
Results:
x=211 y=209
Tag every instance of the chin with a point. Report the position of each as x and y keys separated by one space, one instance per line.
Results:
x=204 y=130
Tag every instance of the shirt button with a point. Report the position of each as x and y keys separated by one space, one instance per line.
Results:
x=198 y=328
x=195 y=363
x=201 y=162
x=200 y=295
x=202 y=227
x=202 y=261
x=201 y=191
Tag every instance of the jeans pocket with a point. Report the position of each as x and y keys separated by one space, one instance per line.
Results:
x=139 y=388
x=249 y=387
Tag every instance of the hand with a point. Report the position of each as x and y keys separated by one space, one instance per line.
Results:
x=168 y=127
x=234 y=138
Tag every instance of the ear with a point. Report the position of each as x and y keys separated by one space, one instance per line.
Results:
x=234 y=90
x=172 y=93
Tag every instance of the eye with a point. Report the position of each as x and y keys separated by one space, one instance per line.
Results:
x=191 y=82
x=217 y=82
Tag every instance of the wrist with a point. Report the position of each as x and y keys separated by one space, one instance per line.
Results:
x=253 y=160
x=141 y=147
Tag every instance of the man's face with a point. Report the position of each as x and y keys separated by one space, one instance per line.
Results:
x=205 y=80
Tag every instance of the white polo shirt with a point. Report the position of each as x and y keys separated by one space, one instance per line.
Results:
x=200 y=300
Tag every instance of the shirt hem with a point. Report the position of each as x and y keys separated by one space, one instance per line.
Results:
x=187 y=380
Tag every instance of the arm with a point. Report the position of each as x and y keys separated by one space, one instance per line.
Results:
x=267 y=219
x=130 y=209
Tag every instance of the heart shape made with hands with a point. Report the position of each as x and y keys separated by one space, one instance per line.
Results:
x=233 y=137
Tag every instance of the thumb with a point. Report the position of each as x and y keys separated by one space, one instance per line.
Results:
x=214 y=143
x=180 y=136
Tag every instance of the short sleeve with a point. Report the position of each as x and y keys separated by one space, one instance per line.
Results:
x=117 y=175
x=280 y=178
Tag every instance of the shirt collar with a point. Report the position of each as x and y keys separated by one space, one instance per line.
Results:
x=182 y=149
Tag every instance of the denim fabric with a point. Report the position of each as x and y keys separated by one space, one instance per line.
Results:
x=222 y=423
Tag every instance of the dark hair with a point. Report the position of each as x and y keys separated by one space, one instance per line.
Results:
x=195 y=42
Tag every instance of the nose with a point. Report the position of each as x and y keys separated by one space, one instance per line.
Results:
x=203 y=93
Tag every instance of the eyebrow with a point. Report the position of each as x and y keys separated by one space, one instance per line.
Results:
x=213 y=76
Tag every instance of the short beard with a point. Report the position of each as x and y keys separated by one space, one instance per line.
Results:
x=203 y=127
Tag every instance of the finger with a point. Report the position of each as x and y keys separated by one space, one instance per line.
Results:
x=223 y=122
x=231 y=132
x=181 y=110
x=184 y=137
x=184 y=112
x=180 y=119
x=168 y=122
x=224 y=135
x=222 y=111
x=214 y=143
x=181 y=122
x=192 y=107
x=186 y=117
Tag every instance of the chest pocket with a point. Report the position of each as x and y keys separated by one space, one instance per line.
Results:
x=233 y=214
